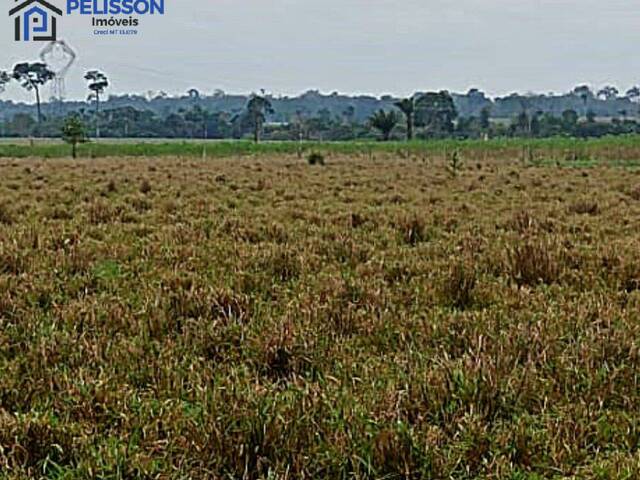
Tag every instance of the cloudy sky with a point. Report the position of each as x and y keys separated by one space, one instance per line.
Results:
x=365 y=46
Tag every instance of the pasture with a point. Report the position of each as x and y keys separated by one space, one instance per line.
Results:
x=247 y=315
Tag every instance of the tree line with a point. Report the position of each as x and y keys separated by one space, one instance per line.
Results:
x=581 y=113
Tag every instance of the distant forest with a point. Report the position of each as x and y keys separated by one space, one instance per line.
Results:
x=316 y=116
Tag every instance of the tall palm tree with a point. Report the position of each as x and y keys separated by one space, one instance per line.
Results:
x=385 y=122
x=32 y=76
x=258 y=108
x=408 y=108
x=97 y=84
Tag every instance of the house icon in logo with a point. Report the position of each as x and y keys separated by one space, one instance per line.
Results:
x=35 y=20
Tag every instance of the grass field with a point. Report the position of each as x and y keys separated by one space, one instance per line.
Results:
x=379 y=317
x=620 y=150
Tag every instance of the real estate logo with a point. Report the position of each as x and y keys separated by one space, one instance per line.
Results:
x=115 y=17
x=38 y=20
x=35 y=20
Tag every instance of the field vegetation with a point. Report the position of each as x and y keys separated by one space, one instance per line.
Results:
x=437 y=310
x=615 y=150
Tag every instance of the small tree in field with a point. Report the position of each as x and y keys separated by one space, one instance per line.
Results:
x=73 y=133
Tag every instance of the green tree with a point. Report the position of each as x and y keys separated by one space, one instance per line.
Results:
x=436 y=112
x=569 y=120
x=199 y=117
x=258 y=108
x=385 y=122
x=534 y=124
x=608 y=92
x=584 y=93
x=349 y=114
x=408 y=108
x=521 y=124
x=485 y=119
x=97 y=82
x=5 y=78
x=32 y=76
x=633 y=94
x=73 y=133
x=21 y=125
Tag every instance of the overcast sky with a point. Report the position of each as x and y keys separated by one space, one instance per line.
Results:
x=364 y=46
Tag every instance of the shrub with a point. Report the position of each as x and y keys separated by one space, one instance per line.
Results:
x=533 y=262
x=315 y=158
x=6 y=215
x=455 y=162
x=111 y=186
x=412 y=229
x=99 y=212
x=458 y=288
x=635 y=193
x=145 y=187
x=629 y=276
x=524 y=222
x=584 y=207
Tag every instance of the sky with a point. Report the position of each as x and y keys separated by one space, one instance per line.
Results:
x=371 y=47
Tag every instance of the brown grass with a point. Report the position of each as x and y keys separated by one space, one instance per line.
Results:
x=258 y=318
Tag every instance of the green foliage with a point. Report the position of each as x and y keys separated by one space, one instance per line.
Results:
x=258 y=108
x=97 y=82
x=73 y=133
x=385 y=122
x=436 y=112
x=427 y=115
x=485 y=118
x=5 y=77
x=32 y=76
x=408 y=108
x=621 y=150
x=455 y=162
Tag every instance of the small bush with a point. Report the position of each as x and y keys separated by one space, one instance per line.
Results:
x=111 y=187
x=629 y=276
x=356 y=220
x=459 y=286
x=6 y=215
x=635 y=193
x=315 y=158
x=59 y=212
x=534 y=262
x=585 y=207
x=100 y=212
x=455 y=163
x=522 y=222
x=413 y=230
x=145 y=187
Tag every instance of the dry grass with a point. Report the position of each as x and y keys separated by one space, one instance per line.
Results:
x=258 y=318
